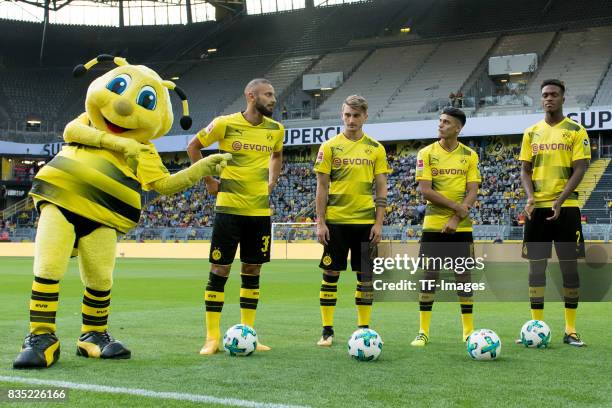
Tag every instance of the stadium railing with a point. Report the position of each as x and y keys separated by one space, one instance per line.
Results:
x=305 y=232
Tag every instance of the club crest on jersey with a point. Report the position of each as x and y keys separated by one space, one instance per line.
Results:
x=216 y=254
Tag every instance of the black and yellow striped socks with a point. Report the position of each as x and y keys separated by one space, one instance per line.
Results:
x=537 y=285
x=328 y=297
x=571 y=288
x=570 y=296
x=249 y=297
x=95 y=309
x=364 y=296
x=536 y=301
x=467 y=316
x=43 y=305
x=214 y=297
x=426 y=300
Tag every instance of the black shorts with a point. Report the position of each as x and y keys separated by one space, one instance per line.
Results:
x=440 y=245
x=345 y=237
x=566 y=232
x=252 y=233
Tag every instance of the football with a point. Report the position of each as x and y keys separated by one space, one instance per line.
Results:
x=484 y=344
x=365 y=345
x=535 y=334
x=240 y=340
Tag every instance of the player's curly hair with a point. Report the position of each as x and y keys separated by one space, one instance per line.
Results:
x=555 y=82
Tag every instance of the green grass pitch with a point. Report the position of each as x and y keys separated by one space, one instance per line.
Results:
x=157 y=310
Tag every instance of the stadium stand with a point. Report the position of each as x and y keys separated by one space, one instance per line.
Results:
x=443 y=72
x=403 y=76
x=598 y=207
x=282 y=75
x=400 y=64
x=604 y=93
x=274 y=44
x=345 y=62
x=579 y=58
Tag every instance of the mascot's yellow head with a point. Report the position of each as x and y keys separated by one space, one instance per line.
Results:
x=131 y=101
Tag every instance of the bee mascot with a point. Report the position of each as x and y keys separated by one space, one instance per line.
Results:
x=90 y=192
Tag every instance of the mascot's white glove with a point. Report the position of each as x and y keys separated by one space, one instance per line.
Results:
x=209 y=166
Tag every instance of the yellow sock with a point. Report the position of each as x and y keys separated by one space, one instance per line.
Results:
x=467 y=317
x=214 y=298
x=570 y=320
x=537 y=314
x=213 y=325
x=328 y=296
x=214 y=304
x=364 y=296
x=248 y=306
x=327 y=315
x=467 y=322
x=364 y=312
x=424 y=322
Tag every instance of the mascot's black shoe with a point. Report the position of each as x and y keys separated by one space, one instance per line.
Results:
x=38 y=351
x=101 y=345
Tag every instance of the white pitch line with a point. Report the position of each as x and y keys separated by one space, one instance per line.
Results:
x=148 y=393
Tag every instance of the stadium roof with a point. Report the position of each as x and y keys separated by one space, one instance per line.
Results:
x=118 y=12
x=145 y=12
x=59 y=4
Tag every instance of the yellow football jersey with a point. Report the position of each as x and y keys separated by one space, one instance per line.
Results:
x=551 y=151
x=352 y=166
x=244 y=182
x=449 y=173
x=98 y=184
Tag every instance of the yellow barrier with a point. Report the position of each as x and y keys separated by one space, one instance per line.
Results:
x=506 y=252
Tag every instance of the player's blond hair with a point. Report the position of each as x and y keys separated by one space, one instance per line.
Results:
x=356 y=102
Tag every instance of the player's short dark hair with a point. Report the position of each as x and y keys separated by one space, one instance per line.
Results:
x=455 y=113
x=254 y=82
x=555 y=82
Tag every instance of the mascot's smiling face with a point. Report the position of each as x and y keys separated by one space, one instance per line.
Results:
x=130 y=101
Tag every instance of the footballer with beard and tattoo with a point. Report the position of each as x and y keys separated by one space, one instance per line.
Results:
x=243 y=203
